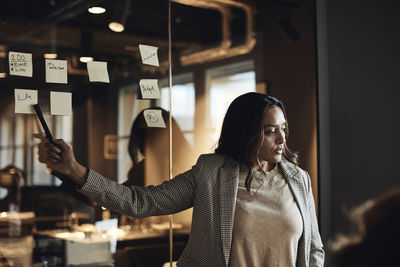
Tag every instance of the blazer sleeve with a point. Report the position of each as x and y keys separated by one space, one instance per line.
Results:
x=317 y=254
x=169 y=197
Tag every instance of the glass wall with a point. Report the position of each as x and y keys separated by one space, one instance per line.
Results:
x=225 y=84
x=99 y=70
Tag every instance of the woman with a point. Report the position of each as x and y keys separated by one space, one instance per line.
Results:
x=252 y=205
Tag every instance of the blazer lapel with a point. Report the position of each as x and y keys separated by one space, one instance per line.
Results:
x=296 y=184
x=228 y=186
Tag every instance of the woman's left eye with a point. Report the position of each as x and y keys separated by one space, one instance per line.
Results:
x=270 y=132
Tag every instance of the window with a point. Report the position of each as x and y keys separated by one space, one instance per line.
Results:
x=183 y=101
x=225 y=84
x=129 y=108
x=18 y=148
x=183 y=104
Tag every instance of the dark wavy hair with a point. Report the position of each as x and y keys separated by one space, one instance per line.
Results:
x=242 y=129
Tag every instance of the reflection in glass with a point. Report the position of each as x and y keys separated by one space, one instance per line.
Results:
x=183 y=103
x=226 y=84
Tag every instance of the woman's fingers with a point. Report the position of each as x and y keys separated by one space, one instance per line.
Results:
x=62 y=144
x=52 y=148
x=52 y=160
x=38 y=135
x=42 y=151
x=53 y=155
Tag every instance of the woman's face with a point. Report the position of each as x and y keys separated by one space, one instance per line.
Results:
x=273 y=138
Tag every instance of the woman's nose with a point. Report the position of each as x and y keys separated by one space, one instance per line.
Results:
x=280 y=139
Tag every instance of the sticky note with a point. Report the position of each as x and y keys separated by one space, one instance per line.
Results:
x=24 y=100
x=61 y=103
x=154 y=118
x=56 y=71
x=20 y=64
x=149 y=55
x=149 y=88
x=98 y=71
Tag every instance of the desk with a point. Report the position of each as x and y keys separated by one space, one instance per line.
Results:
x=75 y=248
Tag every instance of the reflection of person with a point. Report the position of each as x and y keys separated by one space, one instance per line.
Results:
x=136 y=147
x=377 y=240
x=143 y=140
x=252 y=205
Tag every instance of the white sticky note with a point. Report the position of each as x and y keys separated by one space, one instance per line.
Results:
x=154 y=118
x=149 y=88
x=56 y=71
x=149 y=55
x=61 y=103
x=20 y=64
x=24 y=100
x=98 y=71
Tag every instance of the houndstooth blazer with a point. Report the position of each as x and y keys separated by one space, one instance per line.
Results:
x=210 y=187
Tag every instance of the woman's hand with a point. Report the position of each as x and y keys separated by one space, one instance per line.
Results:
x=60 y=158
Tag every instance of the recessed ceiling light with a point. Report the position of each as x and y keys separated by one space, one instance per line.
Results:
x=119 y=16
x=50 y=55
x=96 y=10
x=85 y=59
x=116 y=26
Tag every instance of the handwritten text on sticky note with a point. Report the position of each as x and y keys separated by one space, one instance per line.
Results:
x=149 y=88
x=154 y=118
x=20 y=64
x=61 y=103
x=149 y=55
x=98 y=71
x=24 y=100
x=56 y=71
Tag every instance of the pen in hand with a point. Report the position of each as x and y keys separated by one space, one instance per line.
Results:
x=44 y=124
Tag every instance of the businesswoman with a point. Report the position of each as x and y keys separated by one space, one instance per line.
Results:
x=252 y=204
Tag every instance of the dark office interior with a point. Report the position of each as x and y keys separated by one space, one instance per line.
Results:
x=334 y=64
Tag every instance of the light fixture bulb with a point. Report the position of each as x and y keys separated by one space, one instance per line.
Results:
x=50 y=55
x=85 y=59
x=116 y=27
x=96 y=10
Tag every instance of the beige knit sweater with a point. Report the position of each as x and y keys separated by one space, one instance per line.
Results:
x=268 y=223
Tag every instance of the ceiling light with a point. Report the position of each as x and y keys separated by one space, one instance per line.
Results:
x=3 y=51
x=96 y=10
x=116 y=26
x=50 y=55
x=85 y=59
x=120 y=13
